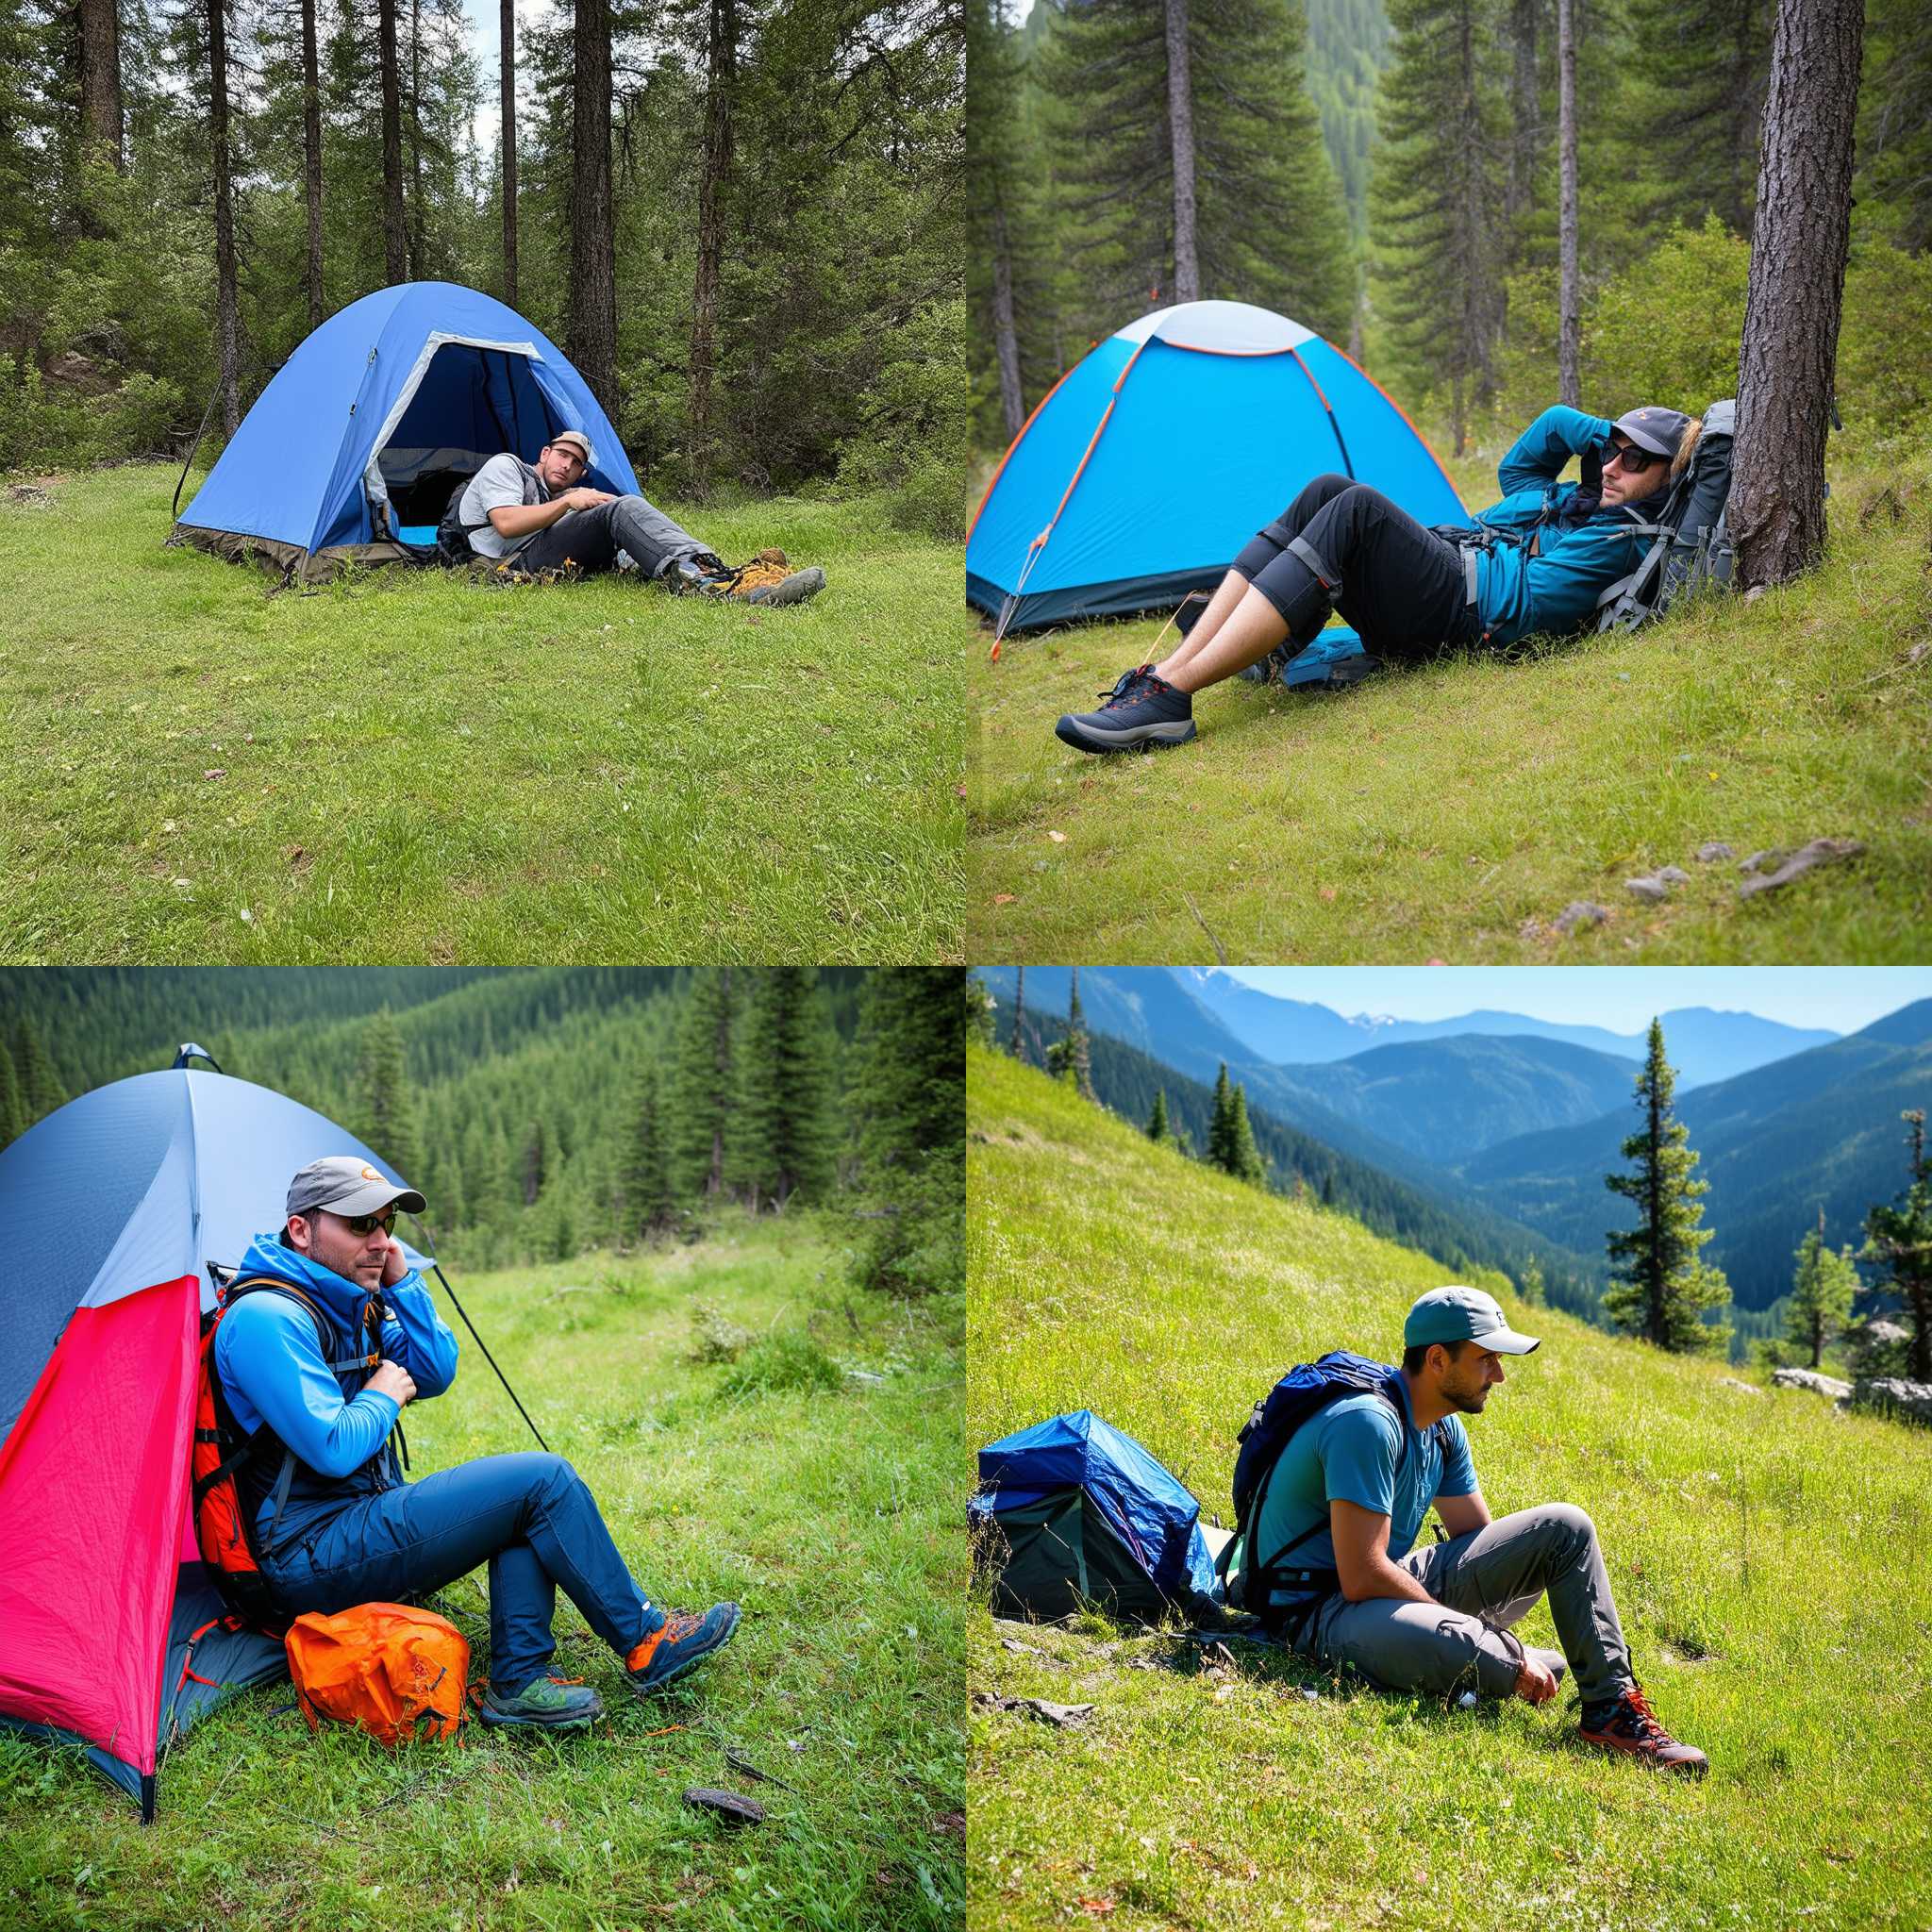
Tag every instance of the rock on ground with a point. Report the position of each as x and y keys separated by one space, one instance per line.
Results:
x=1648 y=889
x=1710 y=854
x=1820 y=852
x=1894 y=1392
x=1580 y=912
x=1811 y=1379
x=1732 y=1382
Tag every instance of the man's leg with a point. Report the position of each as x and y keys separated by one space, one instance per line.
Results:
x=1409 y=1646
x=587 y=538
x=531 y=1517
x=1499 y=1571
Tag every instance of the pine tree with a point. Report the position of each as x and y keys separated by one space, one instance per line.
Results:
x=1018 y=1047
x=1079 y=1049
x=1221 y=1125
x=13 y=1121
x=648 y=1204
x=41 y=1091
x=703 y=1086
x=534 y=1164
x=782 y=1145
x=1898 y=1240
x=1822 y=1291
x=982 y=1014
x=1662 y=1286
x=1246 y=1161
x=388 y=1113
x=1158 y=1128
x=1529 y=1283
x=1328 y=1188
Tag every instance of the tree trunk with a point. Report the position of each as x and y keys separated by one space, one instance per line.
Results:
x=721 y=85
x=1180 y=129
x=1005 y=335
x=1524 y=111
x=394 y=219
x=593 y=345
x=416 y=224
x=1478 y=293
x=100 y=78
x=1569 y=325
x=228 y=330
x=1019 y=1046
x=506 y=37
x=311 y=159
x=1797 y=294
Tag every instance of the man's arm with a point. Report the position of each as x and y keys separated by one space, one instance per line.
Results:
x=525 y=519
x=1361 y=1555
x=1461 y=1514
x=415 y=1336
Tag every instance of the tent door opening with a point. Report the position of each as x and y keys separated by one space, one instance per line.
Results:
x=465 y=401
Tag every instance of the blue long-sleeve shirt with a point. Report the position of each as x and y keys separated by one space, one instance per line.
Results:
x=1557 y=588
x=273 y=1369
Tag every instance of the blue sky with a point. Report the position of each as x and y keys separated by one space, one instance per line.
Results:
x=1623 y=998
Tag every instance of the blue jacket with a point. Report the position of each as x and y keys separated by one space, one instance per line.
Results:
x=276 y=1374
x=1580 y=550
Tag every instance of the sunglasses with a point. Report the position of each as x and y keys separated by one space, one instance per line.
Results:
x=1634 y=460
x=365 y=1224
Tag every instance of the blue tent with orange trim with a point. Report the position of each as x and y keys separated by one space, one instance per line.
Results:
x=1155 y=458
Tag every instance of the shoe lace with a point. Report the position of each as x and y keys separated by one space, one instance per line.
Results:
x=1134 y=686
x=1642 y=1719
x=1121 y=686
x=678 y=1624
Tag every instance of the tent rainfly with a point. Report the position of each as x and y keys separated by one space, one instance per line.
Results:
x=120 y=1208
x=351 y=451
x=1157 y=457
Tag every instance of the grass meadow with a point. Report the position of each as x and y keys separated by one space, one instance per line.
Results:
x=408 y=766
x=1453 y=809
x=1768 y=1557
x=824 y=1503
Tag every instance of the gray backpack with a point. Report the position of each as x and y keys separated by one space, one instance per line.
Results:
x=1692 y=545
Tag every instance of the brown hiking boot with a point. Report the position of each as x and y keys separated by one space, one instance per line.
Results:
x=1630 y=1725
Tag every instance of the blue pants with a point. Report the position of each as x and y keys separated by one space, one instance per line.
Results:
x=531 y=1517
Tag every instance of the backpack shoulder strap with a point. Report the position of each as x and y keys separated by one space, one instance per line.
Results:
x=324 y=1329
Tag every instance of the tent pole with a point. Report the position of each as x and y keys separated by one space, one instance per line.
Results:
x=437 y=1268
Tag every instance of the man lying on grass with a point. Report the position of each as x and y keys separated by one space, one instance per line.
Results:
x=535 y=516
x=1346 y=1498
x=337 y=1523
x=1536 y=562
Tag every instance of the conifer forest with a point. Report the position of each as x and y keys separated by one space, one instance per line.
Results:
x=1492 y=205
x=545 y=1113
x=738 y=219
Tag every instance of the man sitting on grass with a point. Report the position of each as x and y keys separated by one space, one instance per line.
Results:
x=535 y=516
x=1347 y=1496
x=338 y=1525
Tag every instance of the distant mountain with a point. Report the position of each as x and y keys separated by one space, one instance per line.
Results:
x=1819 y=1129
x=1705 y=1046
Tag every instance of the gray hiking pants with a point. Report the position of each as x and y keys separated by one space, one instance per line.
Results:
x=1483 y=1583
x=591 y=538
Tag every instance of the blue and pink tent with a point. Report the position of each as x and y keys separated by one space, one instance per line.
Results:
x=1155 y=458
x=351 y=451
x=120 y=1210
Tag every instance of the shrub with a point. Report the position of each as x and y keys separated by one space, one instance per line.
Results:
x=773 y=1364
x=714 y=1338
x=913 y=1242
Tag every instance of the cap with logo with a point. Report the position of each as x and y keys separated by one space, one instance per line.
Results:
x=579 y=442
x=1654 y=428
x=346 y=1184
x=1462 y=1314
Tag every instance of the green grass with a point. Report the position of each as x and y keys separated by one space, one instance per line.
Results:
x=1767 y=1556
x=418 y=767
x=1452 y=811
x=828 y=1512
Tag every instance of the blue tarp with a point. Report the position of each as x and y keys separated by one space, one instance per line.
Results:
x=1163 y=451
x=422 y=377
x=1149 y=1510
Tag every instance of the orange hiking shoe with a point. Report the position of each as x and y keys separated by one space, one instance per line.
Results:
x=677 y=1643
x=1630 y=1725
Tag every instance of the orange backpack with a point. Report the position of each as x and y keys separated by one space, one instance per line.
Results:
x=397 y=1672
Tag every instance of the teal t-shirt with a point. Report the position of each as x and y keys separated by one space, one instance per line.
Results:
x=1349 y=1450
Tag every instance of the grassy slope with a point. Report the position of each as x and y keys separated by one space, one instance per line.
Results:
x=1435 y=813
x=828 y=1515
x=420 y=768
x=1782 y=1545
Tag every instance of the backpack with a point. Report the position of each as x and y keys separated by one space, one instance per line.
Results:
x=453 y=534
x=1305 y=1391
x=1693 y=546
x=393 y=1670
x=224 y=1526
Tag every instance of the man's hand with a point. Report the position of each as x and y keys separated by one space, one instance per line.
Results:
x=583 y=497
x=393 y=1266
x=393 y=1380
x=1534 y=1684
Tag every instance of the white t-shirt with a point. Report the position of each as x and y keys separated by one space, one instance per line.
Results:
x=504 y=482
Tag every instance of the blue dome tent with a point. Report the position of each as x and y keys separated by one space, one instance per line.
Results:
x=351 y=452
x=1157 y=457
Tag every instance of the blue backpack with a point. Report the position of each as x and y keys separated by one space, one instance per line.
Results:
x=1305 y=1391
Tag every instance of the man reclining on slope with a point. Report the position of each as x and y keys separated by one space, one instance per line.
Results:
x=1346 y=1498
x=537 y=516
x=350 y=1529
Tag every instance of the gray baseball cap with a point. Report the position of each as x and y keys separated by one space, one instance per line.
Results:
x=1462 y=1314
x=578 y=442
x=1654 y=428
x=346 y=1184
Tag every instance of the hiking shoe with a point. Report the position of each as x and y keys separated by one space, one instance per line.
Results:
x=550 y=1704
x=677 y=1643
x=1266 y=669
x=1126 y=683
x=767 y=579
x=1630 y=1725
x=1149 y=711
